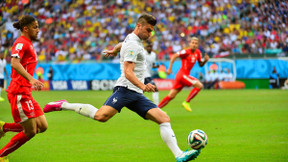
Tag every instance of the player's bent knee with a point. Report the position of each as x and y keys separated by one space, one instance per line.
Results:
x=101 y=118
x=164 y=118
x=201 y=86
x=42 y=129
x=30 y=133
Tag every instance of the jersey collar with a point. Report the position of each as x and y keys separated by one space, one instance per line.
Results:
x=26 y=38
x=135 y=37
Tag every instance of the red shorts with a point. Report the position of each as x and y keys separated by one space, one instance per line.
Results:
x=23 y=107
x=183 y=80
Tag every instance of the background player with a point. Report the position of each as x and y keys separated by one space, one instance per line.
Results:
x=150 y=62
x=25 y=110
x=188 y=58
x=128 y=90
x=2 y=71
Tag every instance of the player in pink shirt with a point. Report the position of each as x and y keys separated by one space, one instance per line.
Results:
x=188 y=58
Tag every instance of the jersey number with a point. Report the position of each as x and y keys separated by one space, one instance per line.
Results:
x=193 y=59
x=29 y=105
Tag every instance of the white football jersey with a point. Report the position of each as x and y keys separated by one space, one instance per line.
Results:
x=208 y=77
x=132 y=50
x=229 y=77
x=214 y=76
x=150 y=59
x=221 y=76
x=2 y=66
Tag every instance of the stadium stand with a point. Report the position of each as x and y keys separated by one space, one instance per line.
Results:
x=79 y=30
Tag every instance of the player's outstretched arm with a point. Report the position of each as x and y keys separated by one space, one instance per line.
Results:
x=16 y=65
x=114 y=51
x=206 y=58
x=173 y=58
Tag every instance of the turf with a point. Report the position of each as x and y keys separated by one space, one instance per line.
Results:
x=242 y=125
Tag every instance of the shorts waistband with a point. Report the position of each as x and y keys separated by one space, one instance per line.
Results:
x=118 y=87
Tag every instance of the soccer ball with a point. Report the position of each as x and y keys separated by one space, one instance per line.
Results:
x=197 y=139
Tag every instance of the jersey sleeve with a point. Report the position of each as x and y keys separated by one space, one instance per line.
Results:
x=18 y=50
x=182 y=53
x=154 y=57
x=131 y=52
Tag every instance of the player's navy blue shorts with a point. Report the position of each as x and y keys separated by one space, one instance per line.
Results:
x=1 y=82
x=149 y=80
x=134 y=101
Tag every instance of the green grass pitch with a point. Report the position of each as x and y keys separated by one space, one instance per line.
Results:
x=242 y=125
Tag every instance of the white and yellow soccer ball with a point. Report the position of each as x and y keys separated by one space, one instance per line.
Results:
x=197 y=139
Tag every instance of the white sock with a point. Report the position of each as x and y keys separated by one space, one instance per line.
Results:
x=169 y=138
x=83 y=109
x=0 y=91
x=155 y=96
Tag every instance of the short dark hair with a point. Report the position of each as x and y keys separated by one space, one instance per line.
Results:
x=146 y=18
x=24 y=21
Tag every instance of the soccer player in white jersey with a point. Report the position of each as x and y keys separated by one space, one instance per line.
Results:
x=228 y=77
x=150 y=63
x=129 y=88
x=2 y=71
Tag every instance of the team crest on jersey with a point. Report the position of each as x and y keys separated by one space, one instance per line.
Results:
x=131 y=53
x=19 y=46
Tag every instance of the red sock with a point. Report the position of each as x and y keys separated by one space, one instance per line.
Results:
x=164 y=101
x=12 y=127
x=17 y=141
x=192 y=94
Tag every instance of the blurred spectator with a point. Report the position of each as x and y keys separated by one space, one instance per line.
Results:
x=162 y=71
x=221 y=76
x=201 y=78
x=2 y=71
x=83 y=29
x=228 y=77
x=214 y=79
x=274 y=79
x=50 y=74
x=285 y=84
x=211 y=80
x=213 y=67
x=61 y=54
x=208 y=80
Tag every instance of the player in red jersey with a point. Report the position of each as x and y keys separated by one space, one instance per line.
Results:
x=188 y=58
x=27 y=114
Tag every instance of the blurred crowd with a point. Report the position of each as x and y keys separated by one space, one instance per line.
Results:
x=79 y=30
x=213 y=77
